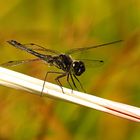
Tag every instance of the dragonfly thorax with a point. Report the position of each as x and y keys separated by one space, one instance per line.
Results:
x=63 y=62
x=78 y=67
x=66 y=63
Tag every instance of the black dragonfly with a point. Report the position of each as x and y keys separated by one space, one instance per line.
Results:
x=70 y=68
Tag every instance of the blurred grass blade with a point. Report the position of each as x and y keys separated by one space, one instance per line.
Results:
x=20 y=81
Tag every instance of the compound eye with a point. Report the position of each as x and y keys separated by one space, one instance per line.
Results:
x=78 y=67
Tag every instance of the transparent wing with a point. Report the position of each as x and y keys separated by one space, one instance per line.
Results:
x=18 y=62
x=40 y=48
x=91 y=47
x=32 y=46
x=92 y=63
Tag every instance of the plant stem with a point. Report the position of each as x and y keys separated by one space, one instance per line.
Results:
x=17 y=80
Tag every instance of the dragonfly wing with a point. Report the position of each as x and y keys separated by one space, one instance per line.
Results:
x=92 y=63
x=18 y=62
x=76 y=50
x=37 y=47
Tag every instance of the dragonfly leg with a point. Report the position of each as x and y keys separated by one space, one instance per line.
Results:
x=58 y=81
x=79 y=83
x=69 y=82
x=73 y=81
x=46 y=79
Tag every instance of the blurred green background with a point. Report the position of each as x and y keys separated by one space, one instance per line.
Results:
x=62 y=25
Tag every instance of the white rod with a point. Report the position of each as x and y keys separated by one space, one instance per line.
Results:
x=17 y=80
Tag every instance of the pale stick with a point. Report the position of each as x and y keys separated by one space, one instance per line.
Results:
x=21 y=81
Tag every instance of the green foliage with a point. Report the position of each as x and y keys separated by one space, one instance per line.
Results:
x=62 y=25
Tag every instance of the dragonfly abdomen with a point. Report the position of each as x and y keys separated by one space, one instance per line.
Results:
x=18 y=45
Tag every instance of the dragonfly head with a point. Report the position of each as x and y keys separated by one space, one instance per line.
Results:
x=78 y=67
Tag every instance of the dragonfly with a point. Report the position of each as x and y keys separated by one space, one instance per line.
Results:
x=70 y=68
